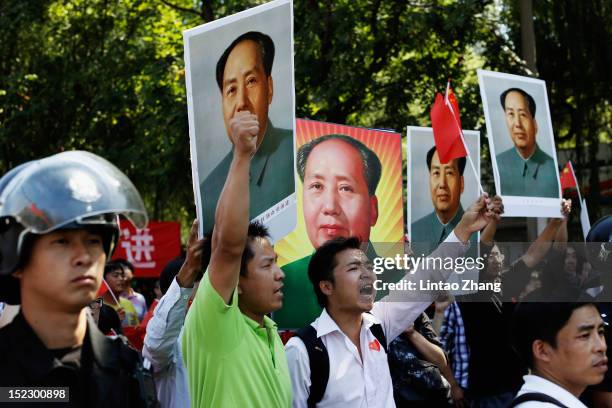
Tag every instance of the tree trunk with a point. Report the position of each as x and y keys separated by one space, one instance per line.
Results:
x=528 y=45
x=528 y=51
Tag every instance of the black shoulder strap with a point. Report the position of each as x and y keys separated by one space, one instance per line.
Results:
x=535 y=396
x=133 y=363
x=319 y=359
x=319 y=364
x=379 y=333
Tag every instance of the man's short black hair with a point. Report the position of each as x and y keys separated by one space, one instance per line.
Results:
x=256 y=230
x=113 y=266
x=125 y=263
x=530 y=101
x=266 y=50
x=539 y=321
x=460 y=161
x=167 y=274
x=372 y=168
x=323 y=262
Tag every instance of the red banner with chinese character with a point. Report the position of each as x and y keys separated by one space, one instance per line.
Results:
x=149 y=249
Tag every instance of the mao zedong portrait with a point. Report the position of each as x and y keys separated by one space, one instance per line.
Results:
x=446 y=184
x=339 y=176
x=244 y=77
x=525 y=170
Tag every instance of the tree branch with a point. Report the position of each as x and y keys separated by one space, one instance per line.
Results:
x=184 y=9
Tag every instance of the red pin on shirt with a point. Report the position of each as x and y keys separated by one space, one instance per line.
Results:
x=374 y=345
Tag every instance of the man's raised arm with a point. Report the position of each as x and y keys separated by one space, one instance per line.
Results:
x=232 y=214
x=478 y=216
x=540 y=247
x=401 y=307
x=560 y=244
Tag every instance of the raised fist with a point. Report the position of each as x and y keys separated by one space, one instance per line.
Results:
x=244 y=129
x=566 y=208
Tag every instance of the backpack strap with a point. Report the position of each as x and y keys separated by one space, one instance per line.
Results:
x=379 y=333
x=319 y=359
x=535 y=396
x=319 y=363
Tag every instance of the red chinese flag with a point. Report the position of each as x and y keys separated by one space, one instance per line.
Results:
x=567 y=178
x=446 y=129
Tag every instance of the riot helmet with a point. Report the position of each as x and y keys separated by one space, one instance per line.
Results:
x=599 y=244
x=69 y=190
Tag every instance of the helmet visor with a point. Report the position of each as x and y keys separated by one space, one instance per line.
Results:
x=69 y=187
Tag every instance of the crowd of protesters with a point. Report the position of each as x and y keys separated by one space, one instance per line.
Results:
x=209 y=338
x=209 y=341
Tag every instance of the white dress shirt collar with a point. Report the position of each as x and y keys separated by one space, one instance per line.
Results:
x=535 y=383
x=324 y=324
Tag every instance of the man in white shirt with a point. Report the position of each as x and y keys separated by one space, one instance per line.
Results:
x=343 y=280
x=161 y=344
x=563 y=344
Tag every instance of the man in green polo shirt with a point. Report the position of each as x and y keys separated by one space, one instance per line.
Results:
x=525 y=170
x=232 y=351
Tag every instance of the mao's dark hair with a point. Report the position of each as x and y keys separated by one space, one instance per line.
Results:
x=372 y=169
x=530 y=101
x=266 y=51
x=460 y=161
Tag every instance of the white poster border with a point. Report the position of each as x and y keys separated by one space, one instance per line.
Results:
x=280 y=221
x=520 y=206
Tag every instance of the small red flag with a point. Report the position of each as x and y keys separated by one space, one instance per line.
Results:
x=567 y=177
x=446 y=126
x=452 y=99
x=374 y=345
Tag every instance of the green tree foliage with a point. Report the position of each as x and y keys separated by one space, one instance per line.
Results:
x=573 y=41
x=379 y=63
x=108 y=75
x=99 y=75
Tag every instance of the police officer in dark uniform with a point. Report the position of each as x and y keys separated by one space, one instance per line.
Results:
x=58 y=227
